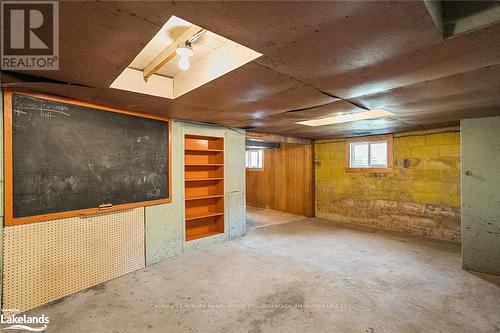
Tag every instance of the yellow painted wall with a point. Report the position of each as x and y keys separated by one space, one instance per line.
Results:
x=421 y=196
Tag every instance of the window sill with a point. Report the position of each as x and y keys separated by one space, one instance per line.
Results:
x=255 y=169
x=370 y=170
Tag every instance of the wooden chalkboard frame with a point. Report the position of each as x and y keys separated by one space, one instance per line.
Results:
x=8 y=156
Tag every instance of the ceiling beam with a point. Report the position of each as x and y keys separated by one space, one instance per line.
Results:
x=168 y=53
x=276 y=138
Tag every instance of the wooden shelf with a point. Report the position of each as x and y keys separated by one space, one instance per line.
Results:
x=204 y=186
x=204 y=150
x=205 y=234
x=202 y=215
x=202 y=179
x=205 y=197
x=203 y=142
x=196 y=165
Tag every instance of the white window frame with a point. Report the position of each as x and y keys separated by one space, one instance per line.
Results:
x=370 y=140
x=260 y=162
x=369 y=145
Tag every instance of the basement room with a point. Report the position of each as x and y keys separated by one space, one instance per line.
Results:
x=250 y=166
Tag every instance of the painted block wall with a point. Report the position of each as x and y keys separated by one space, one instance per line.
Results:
x=481 y=194
x=421 y=196
x=164 y=228
x=234 y=182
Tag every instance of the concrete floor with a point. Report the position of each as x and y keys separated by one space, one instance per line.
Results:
x=260 y=217
x=303 y=276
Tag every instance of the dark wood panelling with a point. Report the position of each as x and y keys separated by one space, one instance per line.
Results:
x=286 y=182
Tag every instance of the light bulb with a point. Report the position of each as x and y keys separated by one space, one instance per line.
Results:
x=184 y=51
x=184 y=63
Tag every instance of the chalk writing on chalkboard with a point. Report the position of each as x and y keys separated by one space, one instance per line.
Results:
x=67 y=157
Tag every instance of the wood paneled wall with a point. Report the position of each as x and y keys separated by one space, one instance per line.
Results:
x=286 y=183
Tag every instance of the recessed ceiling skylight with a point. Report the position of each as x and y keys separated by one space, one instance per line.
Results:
x=345 y=118
x=182 y=57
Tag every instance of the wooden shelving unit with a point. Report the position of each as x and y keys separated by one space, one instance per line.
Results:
x=203 y=179
x=205 y=150
x=204 y=186
x=205 y=197
x=203 y=164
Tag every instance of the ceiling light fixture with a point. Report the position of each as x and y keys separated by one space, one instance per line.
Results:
x=345 y=118
x=184 y=51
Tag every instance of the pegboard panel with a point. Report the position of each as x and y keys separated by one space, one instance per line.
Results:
x=49 y=260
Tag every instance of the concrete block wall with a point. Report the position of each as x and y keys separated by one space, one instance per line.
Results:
x=421 y=196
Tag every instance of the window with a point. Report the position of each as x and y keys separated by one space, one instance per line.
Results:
x=255 y=158
x=370 y=154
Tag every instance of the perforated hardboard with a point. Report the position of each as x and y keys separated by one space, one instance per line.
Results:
x=49 y=260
